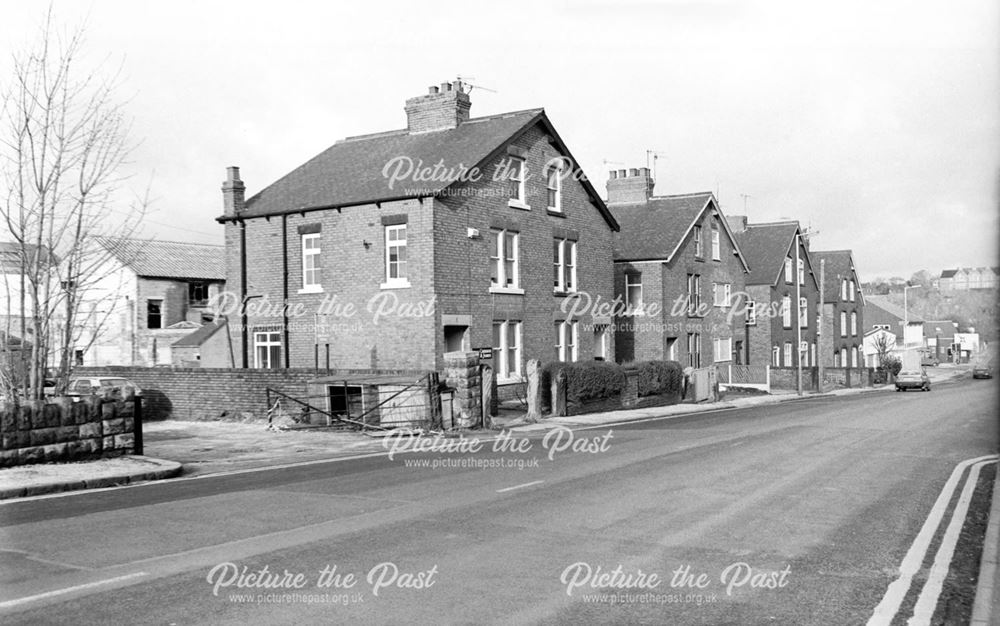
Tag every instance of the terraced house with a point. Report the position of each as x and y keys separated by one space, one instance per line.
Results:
x=842 y=318
x=453 y=233
x=783 y=289
x=679 y=274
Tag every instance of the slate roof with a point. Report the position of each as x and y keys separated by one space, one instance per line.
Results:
x=168 y=259
x=350 y=172
x=838 y=265
x=948 y=273
x=656 y=229
x=10 y=253
x=882 y=302
x=947 y=327
x=199 y=336
x=765 y=247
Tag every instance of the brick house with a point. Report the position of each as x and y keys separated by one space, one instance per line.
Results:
x=149 y=295
x=841 y=340
x=773 y=285
x=679 y=274
x=391 y=249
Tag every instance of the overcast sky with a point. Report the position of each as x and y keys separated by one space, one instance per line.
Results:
x=875 y=124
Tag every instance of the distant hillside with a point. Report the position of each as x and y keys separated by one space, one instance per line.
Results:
x=978 y=309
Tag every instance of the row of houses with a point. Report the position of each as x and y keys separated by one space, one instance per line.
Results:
x=968 y=278
x=388 y=250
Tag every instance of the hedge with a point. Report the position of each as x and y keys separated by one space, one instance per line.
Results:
x=585 y=380
x=660 y=378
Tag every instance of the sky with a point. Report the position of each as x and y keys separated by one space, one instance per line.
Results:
x=873 y=124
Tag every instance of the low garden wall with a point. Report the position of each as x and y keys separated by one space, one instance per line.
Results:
x=784 y=378
x=202 y=393
x=63 y=430
x=598 y=386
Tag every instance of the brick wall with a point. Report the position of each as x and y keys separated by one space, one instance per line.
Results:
x=760 y=333
x=214 y=393
x=37 y=432
x=834 y=377
x=449 y=272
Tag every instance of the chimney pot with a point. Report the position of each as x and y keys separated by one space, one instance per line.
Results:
x=633 y=171
x=232 y=173
x=613 y=174
x=445 y=86
x=644 y=171
x=432 y=90
x=621 y=173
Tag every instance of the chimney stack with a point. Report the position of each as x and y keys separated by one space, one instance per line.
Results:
x=232 y=192
x=441 y=108
x=632 y=186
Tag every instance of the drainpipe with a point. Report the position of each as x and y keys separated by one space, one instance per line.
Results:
x=284 y=286
x=243 y=295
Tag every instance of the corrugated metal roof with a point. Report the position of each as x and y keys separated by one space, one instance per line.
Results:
x=168 y=259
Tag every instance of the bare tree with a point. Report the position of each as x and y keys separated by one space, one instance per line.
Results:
x=63 y=142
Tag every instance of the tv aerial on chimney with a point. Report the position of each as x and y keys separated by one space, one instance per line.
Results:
x=465 y=81
x=651 y=157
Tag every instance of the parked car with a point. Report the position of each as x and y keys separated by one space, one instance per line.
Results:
x=982 y=370
x=85 y=386
x=913 y=380
x=928 y=360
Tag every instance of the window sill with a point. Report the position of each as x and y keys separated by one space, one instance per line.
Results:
x=565 y=292
x=395 y=284
x=316 y=289
x=555 y=212
x=508 y=290
x=509 y=380
x=517 y=204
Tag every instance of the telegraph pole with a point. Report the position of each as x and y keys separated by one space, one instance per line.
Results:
x=819 y=327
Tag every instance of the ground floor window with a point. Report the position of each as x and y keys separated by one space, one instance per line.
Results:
x=722 y=349
x=567 y=341
x=507 y=348
x=601 y=342
x=694 y=349
x=775 y=356
x=788 y=354
x=854 y=356
x=267 y=349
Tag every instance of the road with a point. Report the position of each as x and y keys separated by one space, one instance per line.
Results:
x=795 y=513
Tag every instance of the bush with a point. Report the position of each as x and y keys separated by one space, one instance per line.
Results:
x=890 y=365
x=660 y=378
x=585 y=380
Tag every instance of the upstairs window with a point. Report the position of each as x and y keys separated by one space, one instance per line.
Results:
x=564 y=265
x=197 y=294
x=854 y=324
x=853 y=289
x=694 y=294
x=698 y=251
x=843 y=324
x=716 y=243
x=395 y=256
x=802 y=271
x=267 y=349
x=515 y=169
x=751 y=313
x=803 y=313
x=504 y=263
x=788 y=269
x=553 y=187
x=633 y=294
x=786 y=311
x=843 y=289
x=154 y=313
x=722 y=295
x=311 y=268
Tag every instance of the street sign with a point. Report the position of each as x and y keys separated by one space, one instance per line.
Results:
x=485 y=353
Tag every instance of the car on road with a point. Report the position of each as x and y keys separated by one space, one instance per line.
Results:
x=982 y=370
x=928 y=360
x=913 y=379
x=85 y=386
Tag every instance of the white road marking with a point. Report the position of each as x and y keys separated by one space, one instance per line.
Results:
x=536 y=482
x=897 y=590
x=59 y=592
x=923 y=611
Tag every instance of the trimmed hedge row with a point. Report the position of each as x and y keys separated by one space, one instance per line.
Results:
x=595 y=380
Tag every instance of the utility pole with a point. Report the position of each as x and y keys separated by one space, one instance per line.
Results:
x=798 y=315
x=819 y=327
